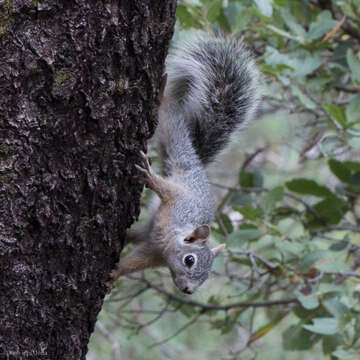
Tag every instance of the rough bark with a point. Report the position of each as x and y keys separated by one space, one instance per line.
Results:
x=78 y=88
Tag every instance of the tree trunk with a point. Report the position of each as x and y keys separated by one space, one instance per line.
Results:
x=78 y=88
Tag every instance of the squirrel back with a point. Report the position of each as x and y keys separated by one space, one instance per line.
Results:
x=212 y=85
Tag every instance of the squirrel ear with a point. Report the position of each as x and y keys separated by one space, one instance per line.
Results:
x=217 y=250
x=200 y=233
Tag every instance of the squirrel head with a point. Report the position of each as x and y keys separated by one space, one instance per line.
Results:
x=189 y=259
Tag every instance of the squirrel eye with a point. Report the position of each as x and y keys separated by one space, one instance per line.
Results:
x=189 y=260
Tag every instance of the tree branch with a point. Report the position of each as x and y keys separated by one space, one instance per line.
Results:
x=339 y=273
x=207 y=307
x=188 y=324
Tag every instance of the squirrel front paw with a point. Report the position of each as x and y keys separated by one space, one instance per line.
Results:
x=110 y=284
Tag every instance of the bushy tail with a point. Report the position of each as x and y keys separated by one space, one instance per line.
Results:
x=212 y=83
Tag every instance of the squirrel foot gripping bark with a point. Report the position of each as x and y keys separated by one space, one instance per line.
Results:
x=166 y=190
x=146 y=168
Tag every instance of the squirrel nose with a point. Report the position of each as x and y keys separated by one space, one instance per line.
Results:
x=186 y=290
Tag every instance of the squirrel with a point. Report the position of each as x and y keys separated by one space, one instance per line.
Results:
x=211 y=91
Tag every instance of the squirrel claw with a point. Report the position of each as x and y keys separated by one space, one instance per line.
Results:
x=145 y=172
x=145 y=161
x=110 y=284
x=146 y=167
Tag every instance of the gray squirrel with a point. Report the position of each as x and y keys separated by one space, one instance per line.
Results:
x=211 y=92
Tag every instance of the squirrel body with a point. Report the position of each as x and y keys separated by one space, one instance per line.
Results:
x=211 y=92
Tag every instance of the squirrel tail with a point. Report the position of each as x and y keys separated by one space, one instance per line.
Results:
x=212 y=89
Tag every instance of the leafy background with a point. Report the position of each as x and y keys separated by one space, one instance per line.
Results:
x=288 y=192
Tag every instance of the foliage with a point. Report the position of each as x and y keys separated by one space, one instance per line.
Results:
x=291 y=222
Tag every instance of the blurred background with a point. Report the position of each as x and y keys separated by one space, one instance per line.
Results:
x=288 y=285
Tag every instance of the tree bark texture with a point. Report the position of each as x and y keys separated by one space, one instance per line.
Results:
x=78 y=88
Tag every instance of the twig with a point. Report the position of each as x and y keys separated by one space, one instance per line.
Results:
x=107 y=335
x=252 y=156
x=344 y=274
x=156 y=318
x=351 y=90
x=347 y=28
x=268 y=264
x=188 y=324
x=131 y=296
x=206 y=306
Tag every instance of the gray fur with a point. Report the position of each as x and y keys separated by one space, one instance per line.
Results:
x=213 y=82
x=211 y=92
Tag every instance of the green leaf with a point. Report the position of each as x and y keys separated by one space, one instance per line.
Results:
x=272 y=197
x=292 y=24
x=309 y=302
x=337 y=112
x=281 y=32
x=330 y=343
x=354 y=142
x=324 y=23
x=272 y=229
x=352 y=165
x=303 y=62
x=308 y=187
x=354 y=179
x=357 y=329
x=265 y=7
x=248 y=212
x=331 y=210
x=295 y=338
x=226 y=324
x=309 y=260
x=187 y=310
x=226 y=222
x=214 y=10
x=326 y=288
x=340 y=245
x=240 y=236
x=237 y=16
x=294 y=248
x=335 y=307
x=275 y=69
x=333 y=265
x=323 y=326
x=263 y=330
x=184 y=16
x=353 y=110
x=330 y=144
x=281 y=3
x=303 y=98
x=246 y=179
x=240 y=198
x=354 y=65
x=342 y=354
x=283 y=212
x=339 y=169
x=223 y=22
